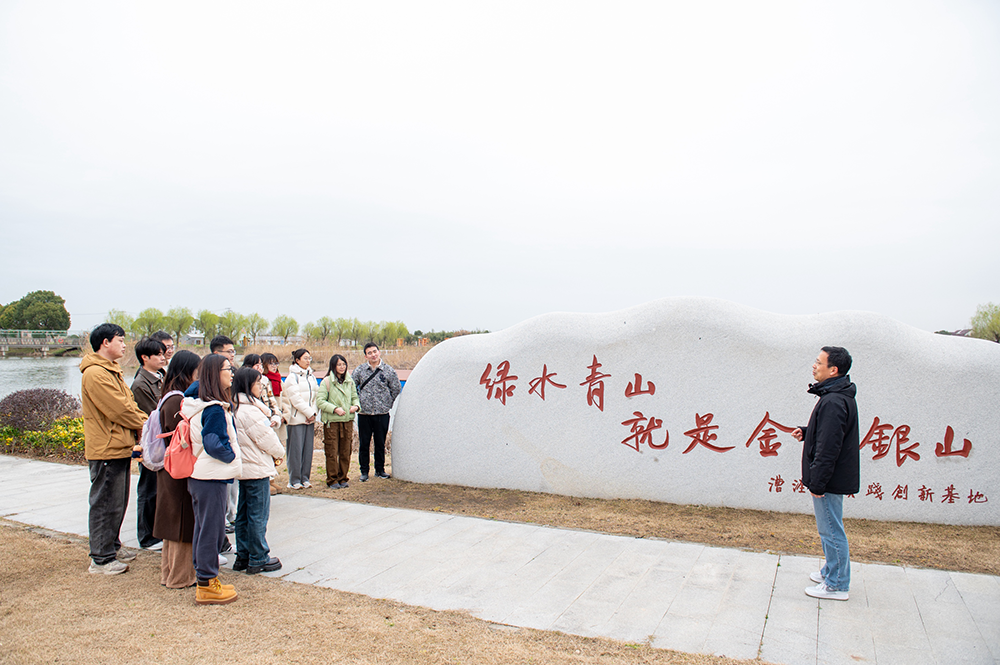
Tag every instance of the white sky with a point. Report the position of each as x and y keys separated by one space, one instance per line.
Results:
x=473 y=164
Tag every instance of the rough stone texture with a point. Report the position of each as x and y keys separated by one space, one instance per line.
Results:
x=455 y=425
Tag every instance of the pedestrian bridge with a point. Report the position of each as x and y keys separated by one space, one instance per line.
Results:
x=45 y=341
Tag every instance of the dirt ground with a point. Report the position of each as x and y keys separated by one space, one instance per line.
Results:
x=53 y=611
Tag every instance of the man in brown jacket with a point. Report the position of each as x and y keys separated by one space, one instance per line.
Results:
x=110 y=420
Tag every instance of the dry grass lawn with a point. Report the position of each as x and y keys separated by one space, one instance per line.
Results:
x=53 y=611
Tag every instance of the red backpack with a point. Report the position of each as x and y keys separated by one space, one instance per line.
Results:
x=179 y=459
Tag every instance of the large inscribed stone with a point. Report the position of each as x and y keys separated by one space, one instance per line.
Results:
x=691 y=400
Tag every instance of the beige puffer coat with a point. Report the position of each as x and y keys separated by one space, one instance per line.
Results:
x=258 y=442
x=299 y=395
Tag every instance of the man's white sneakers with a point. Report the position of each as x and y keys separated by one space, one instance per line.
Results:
x=113 y=567
x=823 y=592
x=816 y=577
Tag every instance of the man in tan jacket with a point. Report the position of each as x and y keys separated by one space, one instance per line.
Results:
x=110 y=421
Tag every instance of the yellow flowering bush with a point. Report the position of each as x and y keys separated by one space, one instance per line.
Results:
x=63 y=438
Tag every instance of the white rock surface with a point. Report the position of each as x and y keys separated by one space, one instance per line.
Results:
x=705 y=356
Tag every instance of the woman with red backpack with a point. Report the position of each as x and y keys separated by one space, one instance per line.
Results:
x=218 y=461
x=174 y=521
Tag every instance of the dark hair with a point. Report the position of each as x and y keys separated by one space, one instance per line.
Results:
x=251 y=359
x=243 y=381
x=147 y=346
x=209 y=386
x=268 y=358
x=180 y=372
x=368 y=346
x=105 y=331
x=333 y=367
x=218 y=342
x=298 y=353
x=161 y=336
x=837 y=356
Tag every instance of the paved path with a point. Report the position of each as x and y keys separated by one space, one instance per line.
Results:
x=677 y=595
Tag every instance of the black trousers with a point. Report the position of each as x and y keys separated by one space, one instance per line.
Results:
x=145 y=507
x=368 y=426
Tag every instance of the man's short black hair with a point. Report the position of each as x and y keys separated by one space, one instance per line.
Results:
x=368 y=346
x=160 y=336
x=105 y=331
x=218 y=342
x=837 y=356
x=147 y=346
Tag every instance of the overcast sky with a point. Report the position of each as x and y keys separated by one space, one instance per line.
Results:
x=473 y=164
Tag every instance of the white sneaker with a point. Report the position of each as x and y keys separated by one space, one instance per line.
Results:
x=822 y=591
x=223 y=560
x=307 y=485
x=158 y=547
x=126 y=555
x=816 y=577
x=294 y=486
x=113 y=567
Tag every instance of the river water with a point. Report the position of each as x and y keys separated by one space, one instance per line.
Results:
x=23 y=373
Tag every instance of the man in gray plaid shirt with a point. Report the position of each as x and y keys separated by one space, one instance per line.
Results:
x=378 y=387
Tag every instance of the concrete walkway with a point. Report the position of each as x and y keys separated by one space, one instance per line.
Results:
x=677 y=595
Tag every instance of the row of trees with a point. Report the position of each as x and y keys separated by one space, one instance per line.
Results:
x=39 y=310
x=179 y=321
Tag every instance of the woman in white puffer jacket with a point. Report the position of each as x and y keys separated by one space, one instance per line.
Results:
x=299 y=393
x=261 y=449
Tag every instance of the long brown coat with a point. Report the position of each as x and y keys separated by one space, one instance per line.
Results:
x=174 y=514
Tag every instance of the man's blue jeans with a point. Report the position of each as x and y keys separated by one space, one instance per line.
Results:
x=836 y=570
x=252 y=511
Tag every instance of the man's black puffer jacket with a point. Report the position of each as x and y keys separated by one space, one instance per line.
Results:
x=830 y=455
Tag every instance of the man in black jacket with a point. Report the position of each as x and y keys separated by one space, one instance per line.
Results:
x=831 y=466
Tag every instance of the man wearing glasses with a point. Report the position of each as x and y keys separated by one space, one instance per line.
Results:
x=831 y=466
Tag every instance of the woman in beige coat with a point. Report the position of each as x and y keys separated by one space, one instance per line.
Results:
x=261 y=448
x=299 y=398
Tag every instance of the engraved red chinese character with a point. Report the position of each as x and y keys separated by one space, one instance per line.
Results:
x=901 y=492
x=925 y=493
x=642 y=432
x=635 y=388
x=595 y=385
x=774 y=484
x=944 y=450
x=901 y=436
x=798 y=487
x=703 y=434
x=949 y=495
x=875 y=489
x=498 y=388
x=977 y=497
x=878 y=439
x=767 y=436
x=537 y=385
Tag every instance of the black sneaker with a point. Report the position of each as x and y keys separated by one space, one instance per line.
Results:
x=227 y=546
x=241 y=564
x=272 y=565
x=382 y=474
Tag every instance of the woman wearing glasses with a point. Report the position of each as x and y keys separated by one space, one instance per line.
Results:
x=217 y=462
x=299 y=393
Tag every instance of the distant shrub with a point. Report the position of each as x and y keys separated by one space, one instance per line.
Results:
x=36 y=409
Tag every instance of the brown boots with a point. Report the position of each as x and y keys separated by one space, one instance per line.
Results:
x=214 y=593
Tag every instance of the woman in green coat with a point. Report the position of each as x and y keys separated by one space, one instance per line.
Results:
x=337 y=401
